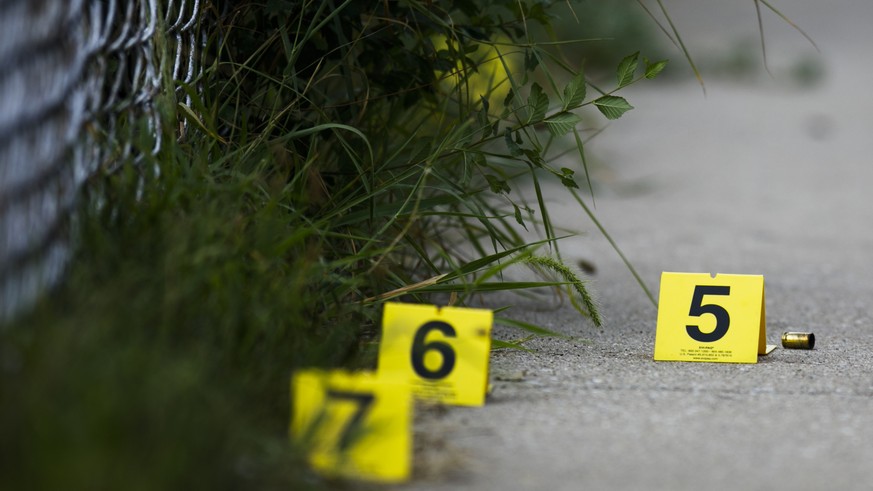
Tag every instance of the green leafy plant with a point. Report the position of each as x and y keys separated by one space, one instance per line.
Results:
x=455 y=154
x=336 y=156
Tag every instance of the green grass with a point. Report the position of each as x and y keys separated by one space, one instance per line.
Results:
x=334 y=159
x=162 y=362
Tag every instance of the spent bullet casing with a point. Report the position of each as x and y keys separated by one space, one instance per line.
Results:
x=798 y=340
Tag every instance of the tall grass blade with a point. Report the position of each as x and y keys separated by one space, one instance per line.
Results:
x=571 y=279
x=761 y=35
x=581 y=148
x=681 y=45
x=527 y=326
x=790 y=23
x=615 y=247
x=496 y=286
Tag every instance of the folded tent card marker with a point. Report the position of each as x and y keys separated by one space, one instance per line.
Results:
x=353 y=425
x=711 y=318
x=441 y=352
x=358 y=424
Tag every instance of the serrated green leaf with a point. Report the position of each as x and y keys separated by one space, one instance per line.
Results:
x=562 y=123
x=482 y=117
x=513 y=147
x=574 y=91
x=518 y=216
x=530 y=61
x=507 y=101
x=566 y=175
x=497 y=184
x=626 y=69
x=538 y=13
x=612 y=106
x=484 y=123
x=569 y=182
x=538 y=103
x=653 y=69
x=534 y=157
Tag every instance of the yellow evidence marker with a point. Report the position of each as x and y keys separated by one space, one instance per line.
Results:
x=441 y=352
x=352 y=425
x=708 y=318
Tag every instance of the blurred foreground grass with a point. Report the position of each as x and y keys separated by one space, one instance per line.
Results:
x=162 y=363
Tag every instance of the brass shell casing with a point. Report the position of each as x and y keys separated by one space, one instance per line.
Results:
x=798 y=340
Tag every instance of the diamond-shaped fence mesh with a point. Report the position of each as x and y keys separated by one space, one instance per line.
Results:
x=76 y=78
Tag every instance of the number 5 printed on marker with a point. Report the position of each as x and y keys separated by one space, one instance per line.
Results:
x=698 y=308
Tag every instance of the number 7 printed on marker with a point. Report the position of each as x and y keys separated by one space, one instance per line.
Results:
x=352 y=425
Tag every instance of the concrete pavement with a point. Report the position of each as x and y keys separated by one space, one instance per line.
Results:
x=761 y=176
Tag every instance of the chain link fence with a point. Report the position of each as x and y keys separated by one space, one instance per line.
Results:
x=77 y=78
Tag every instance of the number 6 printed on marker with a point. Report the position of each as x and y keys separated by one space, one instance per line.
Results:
x=420 y=349
x=441 y=352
